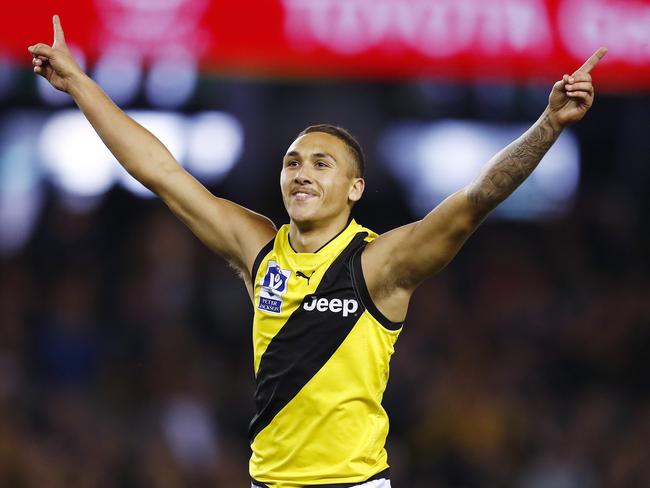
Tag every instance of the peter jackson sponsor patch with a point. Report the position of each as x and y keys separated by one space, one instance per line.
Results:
x=274 y=285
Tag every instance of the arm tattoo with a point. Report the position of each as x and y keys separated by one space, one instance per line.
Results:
x=512 y=165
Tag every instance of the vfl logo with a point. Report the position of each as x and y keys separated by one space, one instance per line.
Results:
x=335 y=305
x=274 y=285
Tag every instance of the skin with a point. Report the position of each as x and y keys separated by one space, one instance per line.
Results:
x=318 y=189
x=319 y=185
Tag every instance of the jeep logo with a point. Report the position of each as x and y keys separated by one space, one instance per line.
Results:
x=335 y=305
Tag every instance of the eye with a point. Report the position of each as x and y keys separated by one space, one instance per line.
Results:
x=321 y=164
x=291 y=162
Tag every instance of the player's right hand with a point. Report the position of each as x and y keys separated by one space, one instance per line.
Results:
x=56 y=64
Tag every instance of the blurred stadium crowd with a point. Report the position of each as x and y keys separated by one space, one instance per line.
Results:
x=125 y=356
x=125 y=345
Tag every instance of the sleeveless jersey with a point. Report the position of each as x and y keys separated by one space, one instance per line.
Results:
x=321 y=359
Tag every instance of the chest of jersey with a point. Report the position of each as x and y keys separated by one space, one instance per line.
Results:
x=300 y=294
x=321 y=365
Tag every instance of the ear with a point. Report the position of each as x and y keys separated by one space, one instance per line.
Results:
x=356 y=190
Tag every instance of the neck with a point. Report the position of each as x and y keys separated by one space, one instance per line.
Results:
x=310 y=238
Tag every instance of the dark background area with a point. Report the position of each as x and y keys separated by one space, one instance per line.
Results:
x=125 y=346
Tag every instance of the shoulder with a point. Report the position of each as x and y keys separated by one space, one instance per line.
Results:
x=385 y=301
x=273 y=241
x=377 y=262
x=371 y=235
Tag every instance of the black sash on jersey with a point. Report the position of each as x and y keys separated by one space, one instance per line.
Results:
x=305 y=342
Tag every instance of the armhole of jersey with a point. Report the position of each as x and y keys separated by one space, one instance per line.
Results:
x=260 y=256
x=359 y=283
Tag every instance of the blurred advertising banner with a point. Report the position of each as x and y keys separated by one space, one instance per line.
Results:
x=467 y=40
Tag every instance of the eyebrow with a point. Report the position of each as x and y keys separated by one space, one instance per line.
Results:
x=316 y=155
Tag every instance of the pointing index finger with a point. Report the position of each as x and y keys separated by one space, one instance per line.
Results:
x=592 y=61
x=58 y=30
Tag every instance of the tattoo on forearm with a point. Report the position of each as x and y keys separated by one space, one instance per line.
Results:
x=511 y=166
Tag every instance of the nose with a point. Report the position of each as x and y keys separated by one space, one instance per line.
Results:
x=302 y=176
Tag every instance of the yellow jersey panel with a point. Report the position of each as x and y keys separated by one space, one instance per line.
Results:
x=321 y=359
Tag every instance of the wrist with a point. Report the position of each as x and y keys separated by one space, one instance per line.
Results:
x=76 y=84
x=553 y=120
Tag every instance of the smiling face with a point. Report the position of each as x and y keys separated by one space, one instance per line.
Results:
x=318 y=180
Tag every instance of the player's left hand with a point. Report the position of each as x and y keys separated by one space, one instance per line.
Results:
x=573 y=95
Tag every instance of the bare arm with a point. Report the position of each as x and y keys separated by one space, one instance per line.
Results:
x=396 y=262
x=512 y=165
x=230 y=230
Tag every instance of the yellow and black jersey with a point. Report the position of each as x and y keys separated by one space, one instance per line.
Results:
x=321 y=358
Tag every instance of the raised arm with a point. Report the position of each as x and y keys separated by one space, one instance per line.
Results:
x=230 y=230
x=396 y=262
